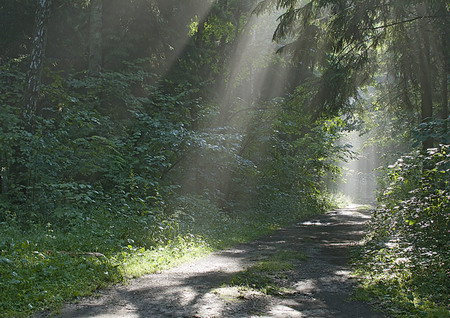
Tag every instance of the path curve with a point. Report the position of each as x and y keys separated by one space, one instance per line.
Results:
x=322 y=285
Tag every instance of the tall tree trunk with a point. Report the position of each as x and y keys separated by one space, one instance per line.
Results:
x=426 y=89
x=445 y=75
x=426 y=94
x=444 y=110
x=4 y=175
x=95 y=36
x=34 y=75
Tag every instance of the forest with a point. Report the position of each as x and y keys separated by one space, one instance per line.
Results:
x=135 y=134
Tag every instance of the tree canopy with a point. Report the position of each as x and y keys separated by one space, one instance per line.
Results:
x=140 y=123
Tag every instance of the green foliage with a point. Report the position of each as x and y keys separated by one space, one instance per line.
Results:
x=407 y=258
x=437 y=129
x=293 y=177
x=34 y=279
x=125 y=172
x=343 y=43
x=415 y=204
x=46 y=266
x=198 y=215
x=84 y=151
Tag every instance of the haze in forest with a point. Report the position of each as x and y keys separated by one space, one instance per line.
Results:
x=134 y=133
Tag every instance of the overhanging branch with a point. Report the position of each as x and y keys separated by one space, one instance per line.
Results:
x=407 y=21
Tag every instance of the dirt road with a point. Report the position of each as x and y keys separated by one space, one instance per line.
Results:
x=318 y=286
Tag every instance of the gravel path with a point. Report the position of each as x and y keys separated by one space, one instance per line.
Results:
x=320 y=286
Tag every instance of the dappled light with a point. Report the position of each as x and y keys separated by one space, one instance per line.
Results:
x=205 y=287
x=315 y=223
x=285 y=136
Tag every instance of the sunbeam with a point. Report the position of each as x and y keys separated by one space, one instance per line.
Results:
x=248 y=82
x=358 y=181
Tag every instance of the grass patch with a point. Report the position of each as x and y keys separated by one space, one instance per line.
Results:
x=290 y=255
x=35 y=279
x=267 y=276
x=399 y=298
x=43 y=266
x=263 y=277
x=400 y=287
x=365 y=207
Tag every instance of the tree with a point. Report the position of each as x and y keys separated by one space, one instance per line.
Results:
x=346 y=38
x=95 y=36
x=34 y=75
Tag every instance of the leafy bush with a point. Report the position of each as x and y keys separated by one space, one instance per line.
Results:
x=437 y=129
x=102 y=141
x=198 y=215
x=415 y=205
x=407 y=255
x=124 y=165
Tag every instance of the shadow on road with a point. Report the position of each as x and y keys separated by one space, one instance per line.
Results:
x=322 y=285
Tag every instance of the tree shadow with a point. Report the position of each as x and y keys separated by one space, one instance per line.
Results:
x=320 y=286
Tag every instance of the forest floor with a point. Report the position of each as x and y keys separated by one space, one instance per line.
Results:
x=299 y=271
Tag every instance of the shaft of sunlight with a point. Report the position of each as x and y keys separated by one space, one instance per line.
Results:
x=248 y=80
x=358 y=182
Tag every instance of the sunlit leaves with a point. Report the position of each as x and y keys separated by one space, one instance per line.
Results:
x=408 y=249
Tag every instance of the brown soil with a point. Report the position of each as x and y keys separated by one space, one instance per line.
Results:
x=319 y=287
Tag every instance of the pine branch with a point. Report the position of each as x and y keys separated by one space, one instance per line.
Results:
x=407 y=21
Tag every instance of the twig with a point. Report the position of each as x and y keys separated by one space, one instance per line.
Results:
x=407 y=21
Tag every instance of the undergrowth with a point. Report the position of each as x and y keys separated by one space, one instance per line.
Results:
x=44 y=266
x=400 y=288
x=127 y=172
x=266 y=276
x=404 y=264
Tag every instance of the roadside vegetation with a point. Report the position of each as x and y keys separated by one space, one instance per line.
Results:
x=405 y=261
x=45 y=266
x=91 y=199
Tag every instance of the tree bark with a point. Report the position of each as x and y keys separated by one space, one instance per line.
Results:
x=33 y=80
x=426 y=89
x=4 y=179
x=426 y=92
x=445 y=75
x=95 y=37
x=444 y=111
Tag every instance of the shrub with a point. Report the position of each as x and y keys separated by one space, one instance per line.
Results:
x=406 y=256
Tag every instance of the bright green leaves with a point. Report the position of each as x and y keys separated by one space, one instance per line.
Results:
x=408 y=250
x=437 y=129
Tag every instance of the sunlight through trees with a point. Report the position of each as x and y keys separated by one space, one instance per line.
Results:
x=165 y=124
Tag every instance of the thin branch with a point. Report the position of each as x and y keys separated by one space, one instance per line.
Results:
x=407 y=21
